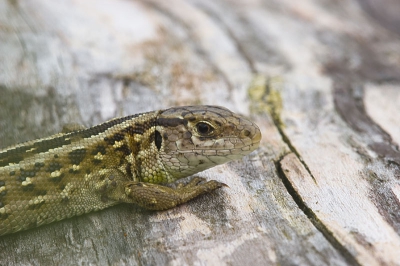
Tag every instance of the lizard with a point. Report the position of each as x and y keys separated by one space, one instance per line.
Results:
x=124 y=160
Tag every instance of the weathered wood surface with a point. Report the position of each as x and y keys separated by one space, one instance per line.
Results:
x=321 y=78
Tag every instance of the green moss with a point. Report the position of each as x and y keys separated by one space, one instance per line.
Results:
x=265 y=95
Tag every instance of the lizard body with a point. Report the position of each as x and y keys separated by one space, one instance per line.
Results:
x=123 y=160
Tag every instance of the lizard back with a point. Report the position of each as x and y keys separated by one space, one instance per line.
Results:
x=61 y=176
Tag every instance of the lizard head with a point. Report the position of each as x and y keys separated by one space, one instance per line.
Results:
x=191 y=139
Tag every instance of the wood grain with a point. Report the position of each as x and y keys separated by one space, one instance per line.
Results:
x=320 y=78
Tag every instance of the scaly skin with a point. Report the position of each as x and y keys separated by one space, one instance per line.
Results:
x=123 y=160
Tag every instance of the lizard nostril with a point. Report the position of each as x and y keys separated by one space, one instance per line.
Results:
x=246 y=133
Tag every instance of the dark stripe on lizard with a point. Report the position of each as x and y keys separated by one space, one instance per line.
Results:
x=15 y=155
x=171 y=122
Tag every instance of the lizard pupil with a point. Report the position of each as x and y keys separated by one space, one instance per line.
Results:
x=204 y=128
x=158 y=140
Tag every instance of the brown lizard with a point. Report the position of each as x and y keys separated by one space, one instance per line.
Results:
x=123 y=160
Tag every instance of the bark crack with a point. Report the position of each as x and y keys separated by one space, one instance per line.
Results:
x=312 y=217
x=271 y=96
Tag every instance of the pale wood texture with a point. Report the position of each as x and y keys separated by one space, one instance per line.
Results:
x=321 y=78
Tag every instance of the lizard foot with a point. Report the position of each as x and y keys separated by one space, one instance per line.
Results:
x=158 y=197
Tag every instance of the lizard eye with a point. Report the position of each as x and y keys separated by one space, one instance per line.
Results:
x=204 y=128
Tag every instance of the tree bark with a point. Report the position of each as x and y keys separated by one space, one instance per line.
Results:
x=320 y=78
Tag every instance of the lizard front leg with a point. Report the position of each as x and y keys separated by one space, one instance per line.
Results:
x=157 y=197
